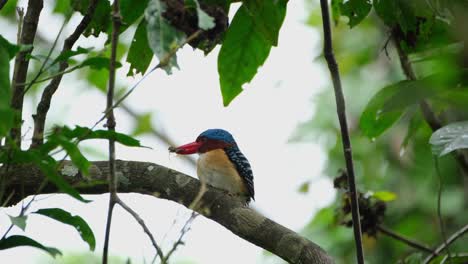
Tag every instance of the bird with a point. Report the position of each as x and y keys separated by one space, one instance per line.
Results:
x=221 y=164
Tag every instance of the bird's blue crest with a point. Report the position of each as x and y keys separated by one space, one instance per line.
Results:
x=218 y=134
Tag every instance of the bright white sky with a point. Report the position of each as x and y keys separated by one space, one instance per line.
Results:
x=186 y=103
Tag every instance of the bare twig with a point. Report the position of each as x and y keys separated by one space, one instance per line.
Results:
x=161 y=64
x=140 y=221
x=409 y=242
x=28 y=33
x=116 y=23
x=49 y=91
x=459 y=233
x=179 y=241
x=439 y=206
x=341 y=111
x=158 y=134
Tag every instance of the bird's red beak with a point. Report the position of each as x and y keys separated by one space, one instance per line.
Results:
x=186 y=149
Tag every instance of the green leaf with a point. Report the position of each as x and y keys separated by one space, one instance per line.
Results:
x=7 y=51
x=47 y=165
x=355 y=10
x=267 y=17
x=450 y=138
x=64 y=56
x=162 y=37
x=374 y=121
x=12 y=49
x=384 y=196
x=9 y=9
x=17 y=241
x=19 y=221
x=336 y=10
x=84 y=133
x=98 y=63
x=304 y=188
x=143 y=124
x=131 y=10
x=244 y=50
x=414 y=125
x=76 y=221
x=63 y=7
x=456 y=258
x=396 y=12
x=101 y=20
x=139 y=54
x=75 y=155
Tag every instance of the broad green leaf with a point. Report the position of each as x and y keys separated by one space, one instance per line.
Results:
x=384 y=196
x=397 y=12
x=450 y=138
x=131 y=10
x=162 y=37
x=76 y=221
x=414 y=125
x=47 y=165
x=140 y=54
x=355 y=10
x=17 y=241
x=63 y=7
x=5 y=93
x=75 y=155
x=374 y=120
x=455 y=258
x=6 y=113
x=267 y=17
x=9 y=9
x=12 y=49
x=19 y=221
x=336 y=10
x=84 y=133
x=101 y=20
x=70 y=53
x=244 y=50
x=98 y=63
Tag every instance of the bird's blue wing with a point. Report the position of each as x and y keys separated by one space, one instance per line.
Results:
x=243 y=167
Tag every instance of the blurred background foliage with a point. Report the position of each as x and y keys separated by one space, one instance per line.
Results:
x=399 y=161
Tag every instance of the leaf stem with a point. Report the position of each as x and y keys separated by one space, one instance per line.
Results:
x=407 y=241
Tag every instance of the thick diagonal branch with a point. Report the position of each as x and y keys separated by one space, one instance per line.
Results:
x=159 y=181
x=51 y=88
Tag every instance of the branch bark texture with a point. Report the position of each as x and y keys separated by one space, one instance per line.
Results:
x=341 y=111
x=28 y=33
x=152 y=179
x=46 y=98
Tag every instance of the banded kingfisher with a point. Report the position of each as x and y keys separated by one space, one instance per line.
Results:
x=221 y=163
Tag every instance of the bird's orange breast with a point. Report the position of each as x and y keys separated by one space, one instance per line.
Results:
x=217 y=170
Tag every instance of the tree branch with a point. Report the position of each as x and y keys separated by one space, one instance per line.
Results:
x=113 y=198
x=159 y=181
x=28 y=33
x=449 y=241
x=341 y=111
x=46 y=98
x=407 y=241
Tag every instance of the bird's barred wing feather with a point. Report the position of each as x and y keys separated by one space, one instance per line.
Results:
x=243 y=167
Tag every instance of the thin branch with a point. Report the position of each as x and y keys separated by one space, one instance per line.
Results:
x=459 y=233
x=179 y=241
x=341 y=111
x=113 y=199
x=161 y=182
x=158 y=134
x=46 y=98
x=439 y=206
x=140 y=221
x=164 y=62
x=407 y=241
x=28 y=33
